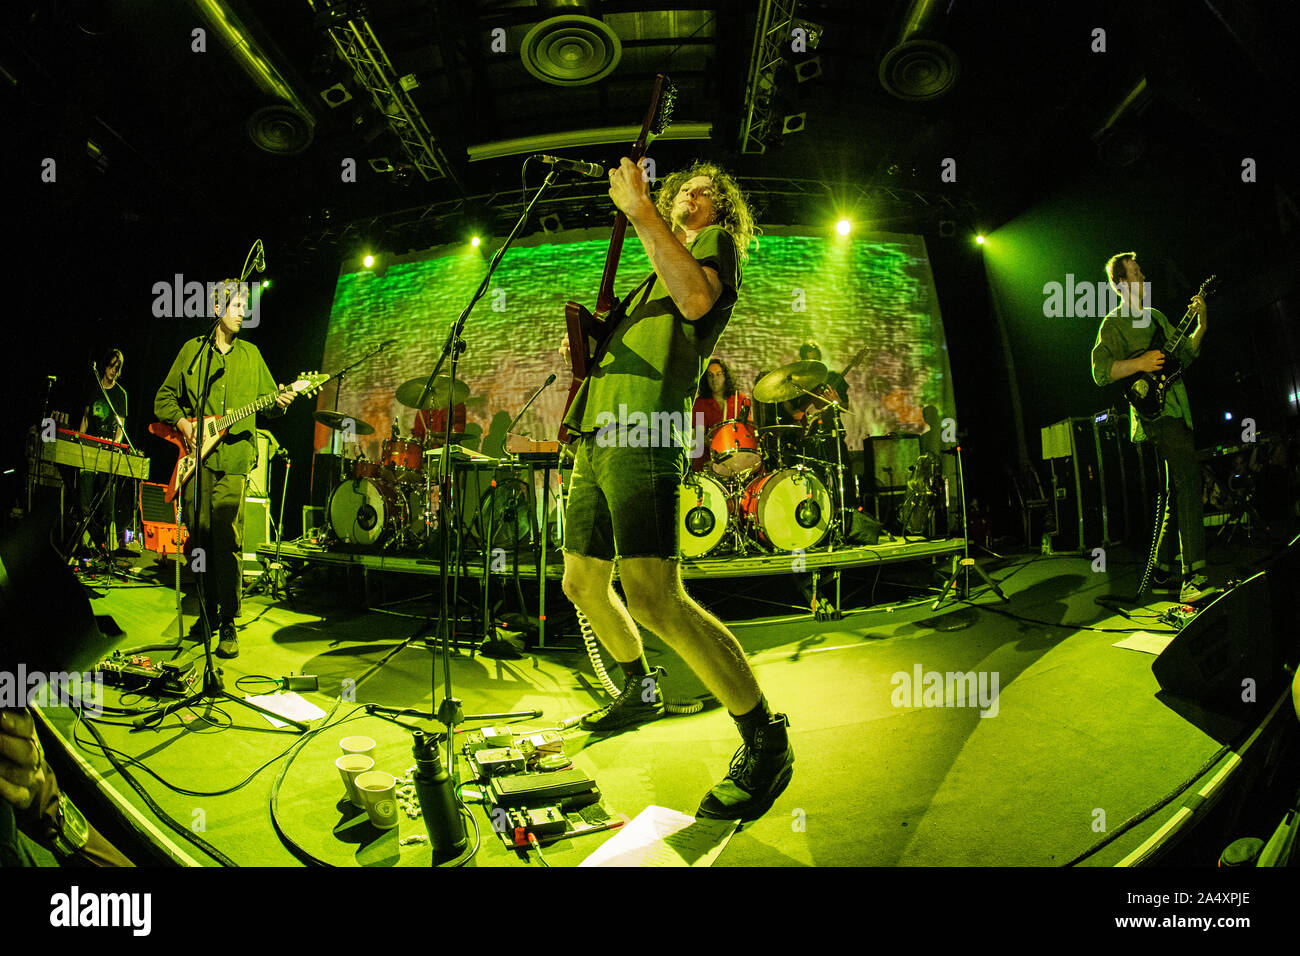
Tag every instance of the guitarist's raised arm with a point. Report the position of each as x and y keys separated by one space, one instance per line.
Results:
x=694 y=288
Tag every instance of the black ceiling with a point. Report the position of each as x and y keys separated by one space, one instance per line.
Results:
x=169 y=123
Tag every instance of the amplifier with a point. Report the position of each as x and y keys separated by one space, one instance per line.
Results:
x=257 y=531
x=158 y=520
x=1099 y=484
x=889 y=460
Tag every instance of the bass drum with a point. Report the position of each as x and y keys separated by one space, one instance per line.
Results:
x=789 y=510
x=701 y=515
x=363 y=511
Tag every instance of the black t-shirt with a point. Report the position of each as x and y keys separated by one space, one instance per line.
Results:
x=99 y=419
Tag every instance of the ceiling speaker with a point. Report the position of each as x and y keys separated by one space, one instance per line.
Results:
x=919 y=69
x=571 y=50
x=280 y=129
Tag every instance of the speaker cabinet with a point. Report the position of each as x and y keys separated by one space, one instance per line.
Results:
x=1230 y=642
x=158 y=520
x=257 y=531
x=1089 y=482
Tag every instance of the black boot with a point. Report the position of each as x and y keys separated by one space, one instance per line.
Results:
x=638 y=702
x=760 y=771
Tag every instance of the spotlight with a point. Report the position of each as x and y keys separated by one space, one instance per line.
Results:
x=551 y=223
x=266 y=283
x=336 y=95
x=808 y=69
x=980 y=239
x=475 y=241
x=793 y=123
x=843 y=227
x=381 y=164
x=1227 y=416
x=368 y=260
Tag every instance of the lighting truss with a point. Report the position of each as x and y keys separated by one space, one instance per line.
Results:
x=761 y=125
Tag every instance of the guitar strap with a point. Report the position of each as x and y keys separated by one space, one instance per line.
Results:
x=620 y=312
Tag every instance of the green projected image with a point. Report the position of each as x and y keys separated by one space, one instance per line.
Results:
x=869 y=298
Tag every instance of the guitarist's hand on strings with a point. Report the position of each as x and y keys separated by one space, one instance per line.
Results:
x=1150 y=361
x=1197 y=308
x=286 y=396
x=186 y=428
x=629 y=188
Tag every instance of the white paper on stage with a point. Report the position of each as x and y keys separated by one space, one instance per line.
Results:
x=1146 y=643
x=290 y=705
x=662 y=837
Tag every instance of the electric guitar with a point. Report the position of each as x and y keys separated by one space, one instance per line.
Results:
x=589 y=332
x=810 y=407
x=214 y=428
x=1146 y=391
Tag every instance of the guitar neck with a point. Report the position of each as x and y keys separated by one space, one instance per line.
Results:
x=252 y=408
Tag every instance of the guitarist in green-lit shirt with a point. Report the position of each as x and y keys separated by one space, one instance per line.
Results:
x=238 y=375
x=1123 y=347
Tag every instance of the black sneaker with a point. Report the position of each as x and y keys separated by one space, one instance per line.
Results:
x=631 y=706
x=229 y=645
x=760 y=772
x=1197 y=587
x=1163 y=586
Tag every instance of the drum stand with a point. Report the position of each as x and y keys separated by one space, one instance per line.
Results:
x=963 y=568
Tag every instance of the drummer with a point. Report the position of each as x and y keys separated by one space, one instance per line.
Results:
x=834 y=389
x=718 y=400
x=432 y=422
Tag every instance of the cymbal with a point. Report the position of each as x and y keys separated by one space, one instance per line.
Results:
x=778 y=429
x=408 y=393
x=784 y=383
x=338 y=421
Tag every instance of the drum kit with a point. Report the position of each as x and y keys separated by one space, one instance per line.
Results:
x=765 y=487
x=392 y=502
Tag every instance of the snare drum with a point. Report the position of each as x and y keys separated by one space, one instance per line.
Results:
x=789 y=510
x=358 y=468
x=402 y=459
x=733 y=448
x=701 y=514
x=364 y=511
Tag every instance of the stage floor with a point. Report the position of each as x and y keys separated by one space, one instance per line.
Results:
x=1076 y=743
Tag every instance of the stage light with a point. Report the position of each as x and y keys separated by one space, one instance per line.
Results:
x=266 y=283
x=475 y=241
x=1227 y=416
x=980 y=239
x=368 y=260
x=843 y=227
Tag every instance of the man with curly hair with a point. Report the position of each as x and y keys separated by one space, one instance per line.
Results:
x=624 y=491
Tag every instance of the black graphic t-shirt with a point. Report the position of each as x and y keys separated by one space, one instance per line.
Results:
x=100 y=421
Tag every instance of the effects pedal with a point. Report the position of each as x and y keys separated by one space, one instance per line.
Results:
x=1179 y=615
x=140 y=674
x=500 y=760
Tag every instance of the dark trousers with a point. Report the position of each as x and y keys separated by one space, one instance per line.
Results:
x=1182 y=530
x=102 y=523
x=218 y=529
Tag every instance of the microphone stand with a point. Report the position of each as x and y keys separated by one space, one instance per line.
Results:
x=448 y=827
x=967 y=563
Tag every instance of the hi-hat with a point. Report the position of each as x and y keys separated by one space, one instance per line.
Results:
x=789 y=381
x=408 y=393
x=340 y=422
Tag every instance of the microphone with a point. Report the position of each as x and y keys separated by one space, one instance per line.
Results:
x=590 y=170
x=259 y=263
x=545 y=385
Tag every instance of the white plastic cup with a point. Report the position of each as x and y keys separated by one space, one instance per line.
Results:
x=350 y=767
x=357 y=745
x=378 y=791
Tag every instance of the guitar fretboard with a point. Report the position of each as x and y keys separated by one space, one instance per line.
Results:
x=239 y=414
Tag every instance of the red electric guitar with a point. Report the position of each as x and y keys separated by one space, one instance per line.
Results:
x=214 y=427
x=589 y=332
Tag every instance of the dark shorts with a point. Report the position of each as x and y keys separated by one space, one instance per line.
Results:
x=623 y=502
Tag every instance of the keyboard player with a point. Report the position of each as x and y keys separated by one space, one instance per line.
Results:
x=103 y=416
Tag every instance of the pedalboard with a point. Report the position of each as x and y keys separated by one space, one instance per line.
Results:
x=140 y=675
x=1179 y=615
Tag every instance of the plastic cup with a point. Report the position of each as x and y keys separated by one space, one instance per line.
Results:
x=350 y=767
x=378 y=790
x=357 y=745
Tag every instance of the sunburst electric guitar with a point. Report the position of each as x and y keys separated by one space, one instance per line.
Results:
x=589 y=332
x=214 y=428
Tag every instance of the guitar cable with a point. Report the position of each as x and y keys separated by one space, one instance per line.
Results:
x=1158 y=530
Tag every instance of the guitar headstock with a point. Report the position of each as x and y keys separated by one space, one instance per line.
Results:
x=309 y=383
x=1208 y=287
x=663 y=114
